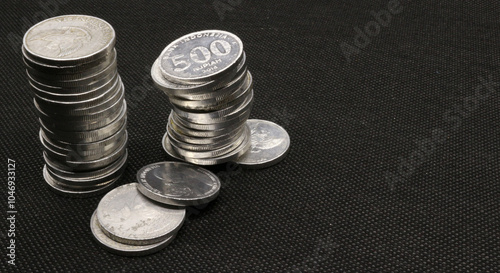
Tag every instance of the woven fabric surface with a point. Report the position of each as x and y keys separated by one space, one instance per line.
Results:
x=393 y=112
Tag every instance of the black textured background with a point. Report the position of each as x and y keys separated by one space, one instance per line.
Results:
x=335 y=204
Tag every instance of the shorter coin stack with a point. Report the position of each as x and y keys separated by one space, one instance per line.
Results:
x=206 y=79
x=79 y=96
x=142 y=218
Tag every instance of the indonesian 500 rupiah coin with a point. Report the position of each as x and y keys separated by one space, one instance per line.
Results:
x=269 y=144
x=178 y=184
x=201 y=56
x=127 y=216
x=124 y=249
x=69 y=39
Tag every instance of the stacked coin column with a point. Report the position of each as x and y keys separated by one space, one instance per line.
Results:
x=205 y=76
x=79 y=96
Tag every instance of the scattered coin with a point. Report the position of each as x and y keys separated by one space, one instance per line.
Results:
x=178 y=184
x=124 y=249
x=269 y=144
x=129 y=217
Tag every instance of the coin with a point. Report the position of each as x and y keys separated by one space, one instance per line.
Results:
x=127 y=216
x=71 y=64
x=77 y=193
x=201 y=56
x=178 y=184
x=231 y=156
x=69 y=39
x=269 y=144
x=124 y=249
x=196 y=91
x=210 y=89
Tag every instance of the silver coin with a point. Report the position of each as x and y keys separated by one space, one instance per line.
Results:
x=53 y=166
x=66 y=69
x=101 y=147
x=226 y=126
x=81 y=152
x=124 y=249
x=56 y=89
x=269 y=144
x=77 y=193
x=74 y=96
x=216 y=152
x=231 y=92
x=216 y=143
x=76 y=83
x=178 y=184
x=197 y=140
x=168 y=148
x=196 y=91
x=184 y=131
x=232 y=156
x=127 y=216
x=201 y=56
x=218 y=116
x=68 y=106
x=87 y=136
x=84 y=180
x=89 y=108
x=82 y=74
x=69 y=39
x=80 y=165
x=70 y=125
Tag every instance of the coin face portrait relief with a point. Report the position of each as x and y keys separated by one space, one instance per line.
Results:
x=263 y=139
x=63 y=42
x=269 y=144
x=173 y=182
x=69 y=38
x=178 y=184
x=132 y=208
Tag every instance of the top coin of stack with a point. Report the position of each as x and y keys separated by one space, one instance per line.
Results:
x=205 y=76
x=71 y=67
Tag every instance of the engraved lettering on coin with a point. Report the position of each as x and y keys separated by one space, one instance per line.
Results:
x=201 y=56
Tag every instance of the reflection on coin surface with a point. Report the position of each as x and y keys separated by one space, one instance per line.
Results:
x=269 y=144
x=127 y=216
x=124 y=249
x=69 y=38
x=178 y=184
x=201 y=56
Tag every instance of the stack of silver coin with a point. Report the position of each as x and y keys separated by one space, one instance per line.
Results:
x=206 y=79
x=79 y=96
x=142 y=218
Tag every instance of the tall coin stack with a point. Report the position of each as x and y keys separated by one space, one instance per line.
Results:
x=79 y=96
x=206 y=79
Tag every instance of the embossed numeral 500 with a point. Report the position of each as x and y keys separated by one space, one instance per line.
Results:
x=201 y=54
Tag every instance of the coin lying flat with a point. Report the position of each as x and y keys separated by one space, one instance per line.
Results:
x=124 y=249
x=127 y=216
x=178 y=184
x=269 y=144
